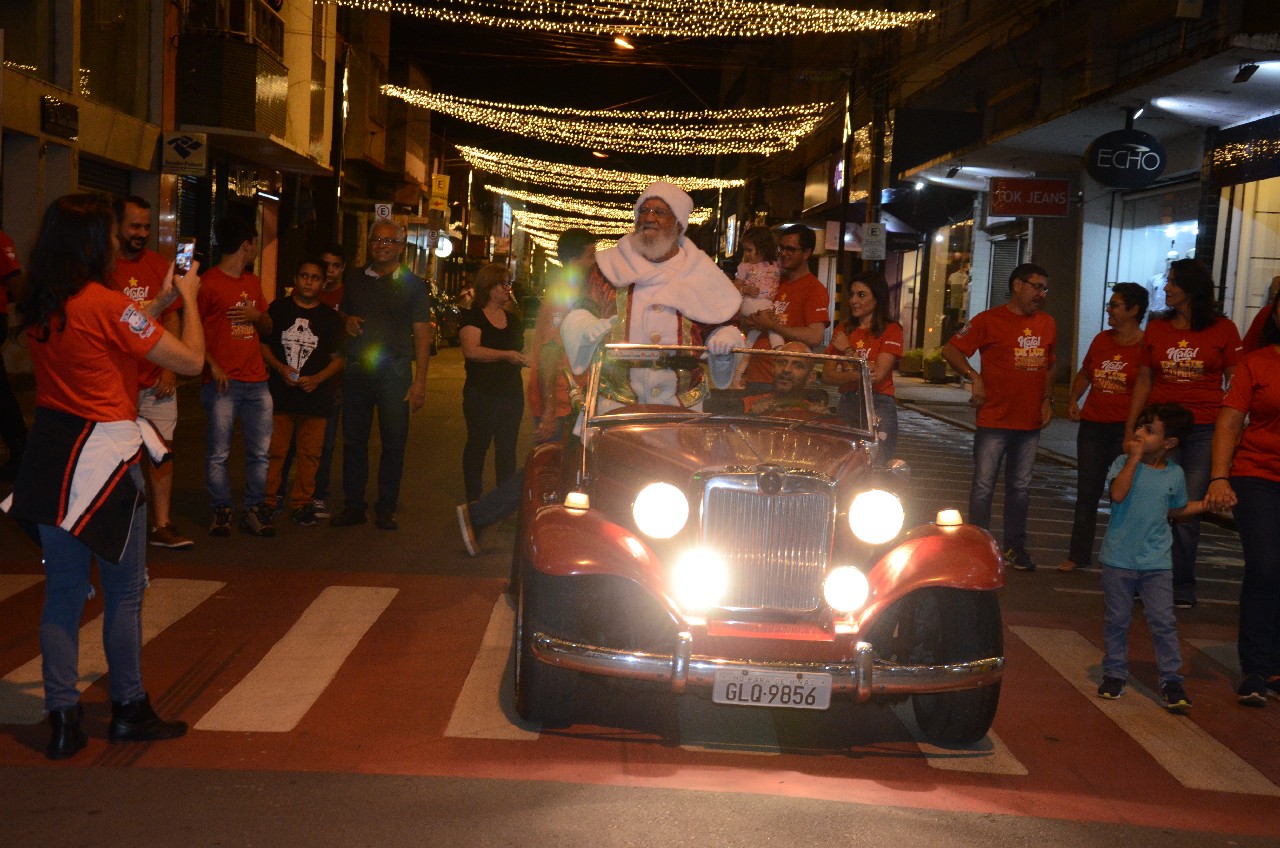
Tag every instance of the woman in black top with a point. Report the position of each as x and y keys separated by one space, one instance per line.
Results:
x=493 y=395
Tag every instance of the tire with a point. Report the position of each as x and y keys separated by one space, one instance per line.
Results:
x=948 y=626
x=544 y=693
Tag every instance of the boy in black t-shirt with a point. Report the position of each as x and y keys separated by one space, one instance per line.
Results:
x=303 y=352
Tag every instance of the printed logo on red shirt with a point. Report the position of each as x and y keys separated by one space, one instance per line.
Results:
x=138 y=322
x=1030 y=354
x=1109 y=377
x=1183 y=363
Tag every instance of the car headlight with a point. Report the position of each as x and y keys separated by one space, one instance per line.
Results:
x=846 y=589
x=699 y=579
x=876 y=516
x=660 y=510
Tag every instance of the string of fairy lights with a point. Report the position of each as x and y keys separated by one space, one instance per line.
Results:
x=704 y=133
x=580 y=177
x=662 y=18
x=581 y=206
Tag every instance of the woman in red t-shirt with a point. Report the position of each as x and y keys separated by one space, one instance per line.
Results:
x=1250 y=483
x=80 y=484
x=1108 y=373
x=1189 y=352
x=871 y=335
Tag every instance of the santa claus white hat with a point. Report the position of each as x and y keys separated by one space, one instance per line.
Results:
x=677 y=198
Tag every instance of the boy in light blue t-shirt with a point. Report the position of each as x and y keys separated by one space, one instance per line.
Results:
x=1146 y=492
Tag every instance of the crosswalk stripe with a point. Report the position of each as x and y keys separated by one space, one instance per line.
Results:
x=1223 y=653
x=12 y=584
x=1193 y=757
x=165 y=602
x=280 y=690
x=484 y=709
x=988 y=756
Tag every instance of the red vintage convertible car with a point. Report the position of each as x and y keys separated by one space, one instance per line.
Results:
x=748 y=547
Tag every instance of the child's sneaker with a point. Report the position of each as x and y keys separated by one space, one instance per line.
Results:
x=1175 y=697
x=1111 y=688
x=221 y=525
x=256 y=521
x=1019 y=558
x=305 y=515
x=320 y=508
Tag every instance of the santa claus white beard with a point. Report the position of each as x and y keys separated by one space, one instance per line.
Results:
x=656 y=245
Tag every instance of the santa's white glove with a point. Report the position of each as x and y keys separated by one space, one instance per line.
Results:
x=581 y=332
x=722 y=364
x=724 y=340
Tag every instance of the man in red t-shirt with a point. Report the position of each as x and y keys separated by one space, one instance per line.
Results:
x=801 y=308
x=234 y=314
x=1013 y=394
x=13 y=427
x=140 y=274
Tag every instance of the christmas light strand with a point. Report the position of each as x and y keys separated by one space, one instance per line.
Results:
x=580 y=178
x=663 y=18
x=560 y=223
x=609 y=211
x=683 y=134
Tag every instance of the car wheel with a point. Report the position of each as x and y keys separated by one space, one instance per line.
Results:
x=544 y=693
x=948 y=626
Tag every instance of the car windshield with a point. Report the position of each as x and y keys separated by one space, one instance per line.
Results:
x=651 y=381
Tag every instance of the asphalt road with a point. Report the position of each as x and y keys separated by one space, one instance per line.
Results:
x=350 y=686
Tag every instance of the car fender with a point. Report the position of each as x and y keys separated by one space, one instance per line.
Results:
x=962 y=557
x=573 y=543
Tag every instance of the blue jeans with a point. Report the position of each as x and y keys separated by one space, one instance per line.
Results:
x=497 y=503
x=1256 y=519
x=1155 y=587
x=1194 y=455
x=67 y=564
x=363 y=390
x=251 y=403
x=991 y=446
x=1097 y=445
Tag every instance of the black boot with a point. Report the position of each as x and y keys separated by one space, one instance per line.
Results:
x=67 y=736
x=137 y=722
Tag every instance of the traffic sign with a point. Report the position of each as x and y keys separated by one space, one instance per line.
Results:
x=382 y=211
x=873 y=242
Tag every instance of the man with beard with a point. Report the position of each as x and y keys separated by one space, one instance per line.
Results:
x=653 y=287
x=790 y=385
x=140 y=273
x=1013 y=394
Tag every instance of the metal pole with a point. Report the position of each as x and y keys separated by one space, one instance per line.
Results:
x=847 y=166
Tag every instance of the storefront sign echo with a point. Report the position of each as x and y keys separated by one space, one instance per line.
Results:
x=1126 y=159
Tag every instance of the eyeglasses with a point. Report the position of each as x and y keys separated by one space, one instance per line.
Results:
x=506 y=284
x=789 y=248
x=1115 y=304
x=1042 y=288
x=384 y=242
x=654 y=211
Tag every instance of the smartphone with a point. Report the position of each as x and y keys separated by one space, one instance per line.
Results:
x=186 y=252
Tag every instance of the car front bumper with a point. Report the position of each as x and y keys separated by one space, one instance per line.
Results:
x=860 y=678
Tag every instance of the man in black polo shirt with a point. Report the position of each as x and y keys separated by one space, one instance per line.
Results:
x=388 y=320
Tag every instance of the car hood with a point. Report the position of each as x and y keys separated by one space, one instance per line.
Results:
x=673 y=452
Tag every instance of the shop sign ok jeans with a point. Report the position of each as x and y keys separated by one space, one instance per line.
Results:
x=1017 y=449
x=251 y=403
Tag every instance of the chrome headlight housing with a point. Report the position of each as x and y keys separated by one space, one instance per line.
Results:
x=660 y=510
x=876 y=516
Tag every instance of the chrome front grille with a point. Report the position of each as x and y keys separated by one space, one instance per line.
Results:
x=775 y=539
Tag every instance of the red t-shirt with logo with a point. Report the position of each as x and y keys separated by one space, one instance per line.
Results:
x=1112 y=368
x=1016 y=352
x=233 y=345
x=1255 y=391
x=1187 y=365
x=90 y=368
x=140 y=280
x=332 y=297
x=799 y=303
x=867 y=347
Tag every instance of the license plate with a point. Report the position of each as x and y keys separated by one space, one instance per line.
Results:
x=797 y=690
